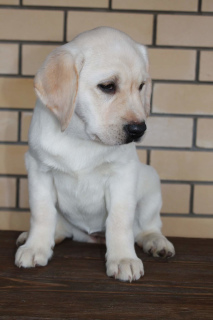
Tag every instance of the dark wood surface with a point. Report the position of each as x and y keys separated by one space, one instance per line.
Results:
x=74 y=284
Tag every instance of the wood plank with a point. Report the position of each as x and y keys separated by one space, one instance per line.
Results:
x=74 y=284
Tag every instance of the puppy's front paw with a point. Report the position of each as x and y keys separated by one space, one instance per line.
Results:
x=29 y=256
x=157 y=245
x=125 y=269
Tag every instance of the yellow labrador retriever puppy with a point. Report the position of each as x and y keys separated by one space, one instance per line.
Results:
x=84 y=172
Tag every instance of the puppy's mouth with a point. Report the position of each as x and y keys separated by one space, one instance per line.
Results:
x=132 y=139
x=108 y=142
x=96 y=138
x=118 y=142
x=132 y=132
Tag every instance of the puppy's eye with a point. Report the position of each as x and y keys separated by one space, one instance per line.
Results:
x=141 y=86
x=108 y=87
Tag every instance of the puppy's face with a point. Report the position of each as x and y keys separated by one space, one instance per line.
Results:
x=112 y=96
x=103 y=76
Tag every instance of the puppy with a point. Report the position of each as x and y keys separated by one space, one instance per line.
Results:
x=84 y=172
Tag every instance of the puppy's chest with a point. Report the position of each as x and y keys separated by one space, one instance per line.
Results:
x=81 y=197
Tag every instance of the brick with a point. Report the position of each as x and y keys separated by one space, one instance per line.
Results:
x=7 y=192
x=206 y=66
x=142 y=154
x=17 y=93
x=205 y=133
x=9 y=2
x=162 y=131
x=26 y=118
x=12 y=159
x=23 y=194
x=183 y=30
x=8 y=126
x=172 y=64
x=183 y=165
x=182 y=98
x=9 y=58
x=68 y=3
x=14 y=220
x=41 y=25
x=203 y=199
x=172 y=193
x=207 y=5
x=33 y=56
x=138 y=26
x=165 y=5
x=187 y=227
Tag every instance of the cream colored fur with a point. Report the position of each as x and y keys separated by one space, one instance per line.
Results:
x=83 y=177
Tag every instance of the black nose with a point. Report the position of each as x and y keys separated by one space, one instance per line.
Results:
x=134 y=131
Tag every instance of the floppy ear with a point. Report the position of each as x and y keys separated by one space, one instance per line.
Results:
x=148 y=84
x=56 y=84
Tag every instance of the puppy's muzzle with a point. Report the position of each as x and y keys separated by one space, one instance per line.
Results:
x=134 y=131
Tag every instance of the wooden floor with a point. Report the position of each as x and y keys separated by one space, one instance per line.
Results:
x=74 y=284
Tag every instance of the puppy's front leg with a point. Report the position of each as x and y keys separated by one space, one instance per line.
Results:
x=38 y=248
x=122 y=261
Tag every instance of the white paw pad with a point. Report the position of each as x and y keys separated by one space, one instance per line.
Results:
x=157 y=245
x=29 y=256
x=21 y=238
x=125 y=269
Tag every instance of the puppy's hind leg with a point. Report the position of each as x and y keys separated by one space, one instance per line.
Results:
x=147 y=228
x=22 y=238
x=63 y=229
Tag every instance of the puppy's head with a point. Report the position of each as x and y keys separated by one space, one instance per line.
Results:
x=102 y=75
